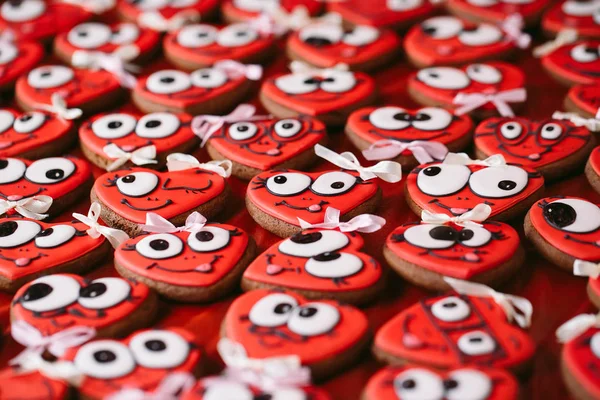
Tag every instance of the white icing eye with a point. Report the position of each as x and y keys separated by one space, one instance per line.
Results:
x=17 y=233
x=596 y=16
x=272 y=310
x=403 y=5
x=337 y=81
x=50 y=170
x=551 y=131
x=89 y=35
x=498 y=182
x=432 y=119
x=333 y=183
x=51 y=292
x=321 y=35
x=208 y=78
x=124 y=34
x=104 y=293
x=511 y=130
x=157 y=125
x=484 y=35
x=444 y=78
x=114 y=126
x=469 y=384
x=194 y=36
x=361 y=35
x=573 y=215
x=443 y=179
x=168 y=81
x=242 y=130
x=49 y=76
x=104 y=359
x=595 y=344
x=584 y=53
x=227 y=391
x=11 y=170
x=288 y=394
x=6 y=120
x=390 y=118
x=288 y=184
x=54 y=236
x=160 y=246
x=22 y=11
x=29 y=122
x=236 y=35
x=483 y=3
x=147 y=5
x=297 y=83
x=313 y=319
x=418 y=384
x=441 y=28
x=484 y=74
x=210 y=238
x=580 y=8
x=475 y=236
x=312 y=244
x=476 y=343
x=158 y=349
x=288 y=128
x=137 y=184
x=431 y=236
x=8 y=52
x=451 y=309
x=255 y=5
x=333 y=265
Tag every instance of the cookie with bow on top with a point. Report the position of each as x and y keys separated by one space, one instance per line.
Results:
x=120 y=140
x=322 y=261
x=277 y=199
x=413 y=382
x=329 y=94
x=16 y=58
x=197 y=262
x=244 y=10
x=458 y=184
x=474 y=326
x=554 y=147
x=592 y=169
x=563 y=229
x=325 y=335
x=166 y=15
x=584 y=100
x=581 y=16
x=496 y=11
x=463 y=247
x=214 y=90
x=188 y=185
x=408 y=136
x=43 y=188
x=570 y=61
x=258 y=143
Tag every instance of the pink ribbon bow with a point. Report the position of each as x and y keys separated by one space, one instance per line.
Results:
x=423 y=151
x=157 y=224
x=471 y=101
x=113 y=63
x=266 y=25
x=513 y=31
x=170 y=388
x=236 y=70
x=181 y=162
x=365 y=223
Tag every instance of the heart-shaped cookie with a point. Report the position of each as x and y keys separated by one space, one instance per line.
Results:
x=243 y=10
x=449 y=41
x=453 y=330
x=592 y=169
x=163 y=15
x=34 y=135
x=318 y=263
x=112 y=306
x=496 y=11
x=584 y=100
x=17 y=59
x=578 y=364
x=30 y=385
x=325 y=335
x=415 y=382
x=583 y=16
x=393 y=14
x=573 y=64
x=214 y=388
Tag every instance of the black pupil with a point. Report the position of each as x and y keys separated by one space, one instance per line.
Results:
x=204 y=236
x=55 y=174
x=450 y=384
x=306 y=238
x=318 y=41
x=432 y=171
x=45 y=232
x=282 y=308
x=240 y=34
x=328 y=256
x=434 y=75
x=402 y=117
x=115 y=124
x=159 y=244
x=429 y=30
x=307 y=312
x=105 y=356
x=443 y=233
x=507 y=185
x=82 y=33
x=243 y=128
x=337 y=185
x=287 y=125
x=37 y=291
x=475 y=340
x=280 y=180
x=8 y=228
x=129 y=179
x=155 y=345
x=153 y=123
x=559 y=214
x=94 y=290
x=466 y=234
x=422 y=117
x=46 y=74
x=3 y=164
x=25 y=118
x=167 y=79
x=511 y=127
x=449 y=305
x=549 y=128
x=409 y=384
x=205 y=75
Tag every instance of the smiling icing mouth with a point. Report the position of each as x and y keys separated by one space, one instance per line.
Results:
x=312 y=208
x=128 y=204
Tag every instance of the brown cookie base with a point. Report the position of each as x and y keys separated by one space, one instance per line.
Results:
x=458 y=11
x=418 y=63
x=547 y=250
x=572 y=107
x=575 y=388
x=560 y=78
x=592 y=177
x=56 y=148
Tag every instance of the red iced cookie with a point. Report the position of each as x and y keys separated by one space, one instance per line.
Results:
x=592 y=169
x=497 y=10
x=577 y=63
x=16 y=59
x=414 y=382
x=166 y=15
x=15 y=384
x=215 y=388
x=583 y=16
x=584 y=99
x=243 y=10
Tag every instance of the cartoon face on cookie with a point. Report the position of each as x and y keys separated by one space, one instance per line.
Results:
x=141 y=361
x=215 y=388
x=585 y=98
x=56 y=302
x=241 y=10
x=452 y=330
x=16 y=59
x=271 y=324
x=581 y=357
x=27 y=133
x=577 y=63
x=382 y=13
x=583 y=16
x=22 y=385
x=133 y=9
x=497 y=11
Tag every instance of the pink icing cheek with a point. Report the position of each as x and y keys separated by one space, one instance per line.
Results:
x=14 y=197
x=411 y=341
x=22 y=262
x=206 y=267
x=315 y=208
x=472 y=257
x=273 y=152
x=458 y=211
x=274 y=269
x=534 y=156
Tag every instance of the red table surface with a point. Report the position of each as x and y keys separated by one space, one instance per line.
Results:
x=556 y=295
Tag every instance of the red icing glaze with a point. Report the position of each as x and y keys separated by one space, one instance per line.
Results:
x=175 y=193
x=306 y=203
x=594 y=160
x=497 y=10
x=352 y=270
x=462 y=42
x=417 y=335
x=459 y=260
x=71 y=302
x=215 y=387
x=585 y=98
x=32 y=134
x=377 y=13
x=336 y=49
x=84 y=87
x=189 y=267
x=30 y=385
x=510 y=77
x=331 y=330
x=32 y=253
x=579 y=358
x=458 y=196
x=247 y=9
x=488 y=384
x=268 y=147
x=535 y=143
x=576 y=63
x=167 y=9
x=572 y=15
x=26 y=56
x=147 y=370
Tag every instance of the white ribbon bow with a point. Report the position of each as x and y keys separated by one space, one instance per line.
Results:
x=235 y=70
x=479 y=213
x=513 y=30
x=586 y=268
x=509 y=303
x=366 y=223
x=300 y=67
x=154 y=20
x=157 y=224
x=170 y=388
x=58 y=106
x=592 y=124
x=472 y=101
x=142 y=156
x=299 y=17
x=114 y=236
x=113 y=63
x=388 y=171
x=93 y=6
x=266 y=25
x=496 y=160
x=30 y=207
x=58 y=370
x=180 y=162
x=577 y=326
x=423 y=151
x=564 y=37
